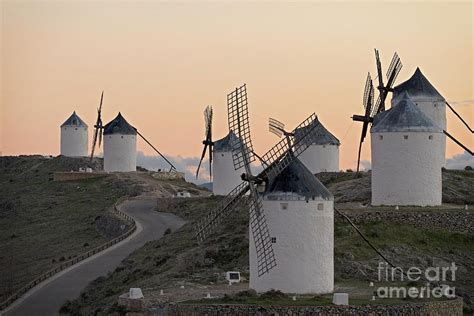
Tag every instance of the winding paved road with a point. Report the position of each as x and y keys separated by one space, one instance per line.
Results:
x=46 y=298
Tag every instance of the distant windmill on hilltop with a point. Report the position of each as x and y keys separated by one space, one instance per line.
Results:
x=431 y=103
x=322 y=154
x=74 y=137
x=384 y=89
x=289 y=187
x=120 y=144
x=224 y=177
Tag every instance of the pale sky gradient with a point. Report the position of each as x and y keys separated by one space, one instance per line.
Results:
x=161 y=63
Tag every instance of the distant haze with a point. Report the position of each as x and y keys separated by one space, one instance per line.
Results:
x=161 y=63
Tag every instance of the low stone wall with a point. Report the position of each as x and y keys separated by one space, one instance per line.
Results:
x=455 y=221
x=163 y=175
x=438 y=308
x=74 y=175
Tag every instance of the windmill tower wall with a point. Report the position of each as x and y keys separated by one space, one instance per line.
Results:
x=406 y=171
x=304 y=247
x=120 y=153
x=225 y=177
x=74 y=141
x=435 y=110
x=321 y=158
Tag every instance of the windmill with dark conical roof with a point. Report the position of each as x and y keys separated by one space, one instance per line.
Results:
x=430 y=102
x=407 y=156
x=291 y=223
x=120 y=146
x=322 y=154
x=221 y=166
x=74 y=137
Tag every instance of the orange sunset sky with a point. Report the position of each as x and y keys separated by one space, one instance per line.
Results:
x=161 y=63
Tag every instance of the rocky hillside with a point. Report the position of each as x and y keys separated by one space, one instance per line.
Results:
x=177 y=260
x=355 y=187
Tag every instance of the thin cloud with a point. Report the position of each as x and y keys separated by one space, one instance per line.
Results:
x=188 y=165
x=462 y=103
x=365 y=165
x=460 y=161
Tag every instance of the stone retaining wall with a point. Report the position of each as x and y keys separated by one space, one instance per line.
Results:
x=73 y=175
x=163 y=175
x=439 y=308
x=455 y=221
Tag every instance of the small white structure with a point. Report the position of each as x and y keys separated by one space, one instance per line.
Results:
x=340 y=299
x=183 y=194
x=322 y=155
x=406 y=157
x=225 y=177
x=427 y=98
x=132 y=301
x=120 y=146
x=232 y=276
x=135 y=293
x=74 y=137
x=299 y=212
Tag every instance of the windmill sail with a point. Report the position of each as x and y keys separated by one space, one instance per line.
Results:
x=277 y=158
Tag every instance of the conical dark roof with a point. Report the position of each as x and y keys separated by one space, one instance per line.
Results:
x=119 y=126
x=225 y=144
x=418 y=87
x=404 y=116
x=324 y=136
x=74 y=120
x=297 y=179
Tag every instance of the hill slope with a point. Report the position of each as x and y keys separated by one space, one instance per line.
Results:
x=408 y=237
x=43 y=222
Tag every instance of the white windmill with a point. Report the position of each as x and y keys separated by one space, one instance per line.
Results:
x=322 y=154
x=120 y=146
x=430 y=102
x=74 y=137
x=221 y=165
x=290 y=219
x=120 y=143
x=407 y=156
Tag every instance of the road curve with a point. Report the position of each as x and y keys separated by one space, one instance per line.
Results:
x=46 y=298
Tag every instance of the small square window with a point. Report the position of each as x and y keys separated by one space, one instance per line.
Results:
x=380 y=137
x=405 y=136
x=430 y=137
x=121 y=136
x=320 y=206
x=324 y=146
x=274 y=240
x=222 y=155
x=284 y=206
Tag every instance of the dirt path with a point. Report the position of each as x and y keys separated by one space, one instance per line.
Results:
x=47 y=297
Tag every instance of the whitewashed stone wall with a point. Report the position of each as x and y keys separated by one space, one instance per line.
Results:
x=407 y=171
x=225 y=177
x=321 y=158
